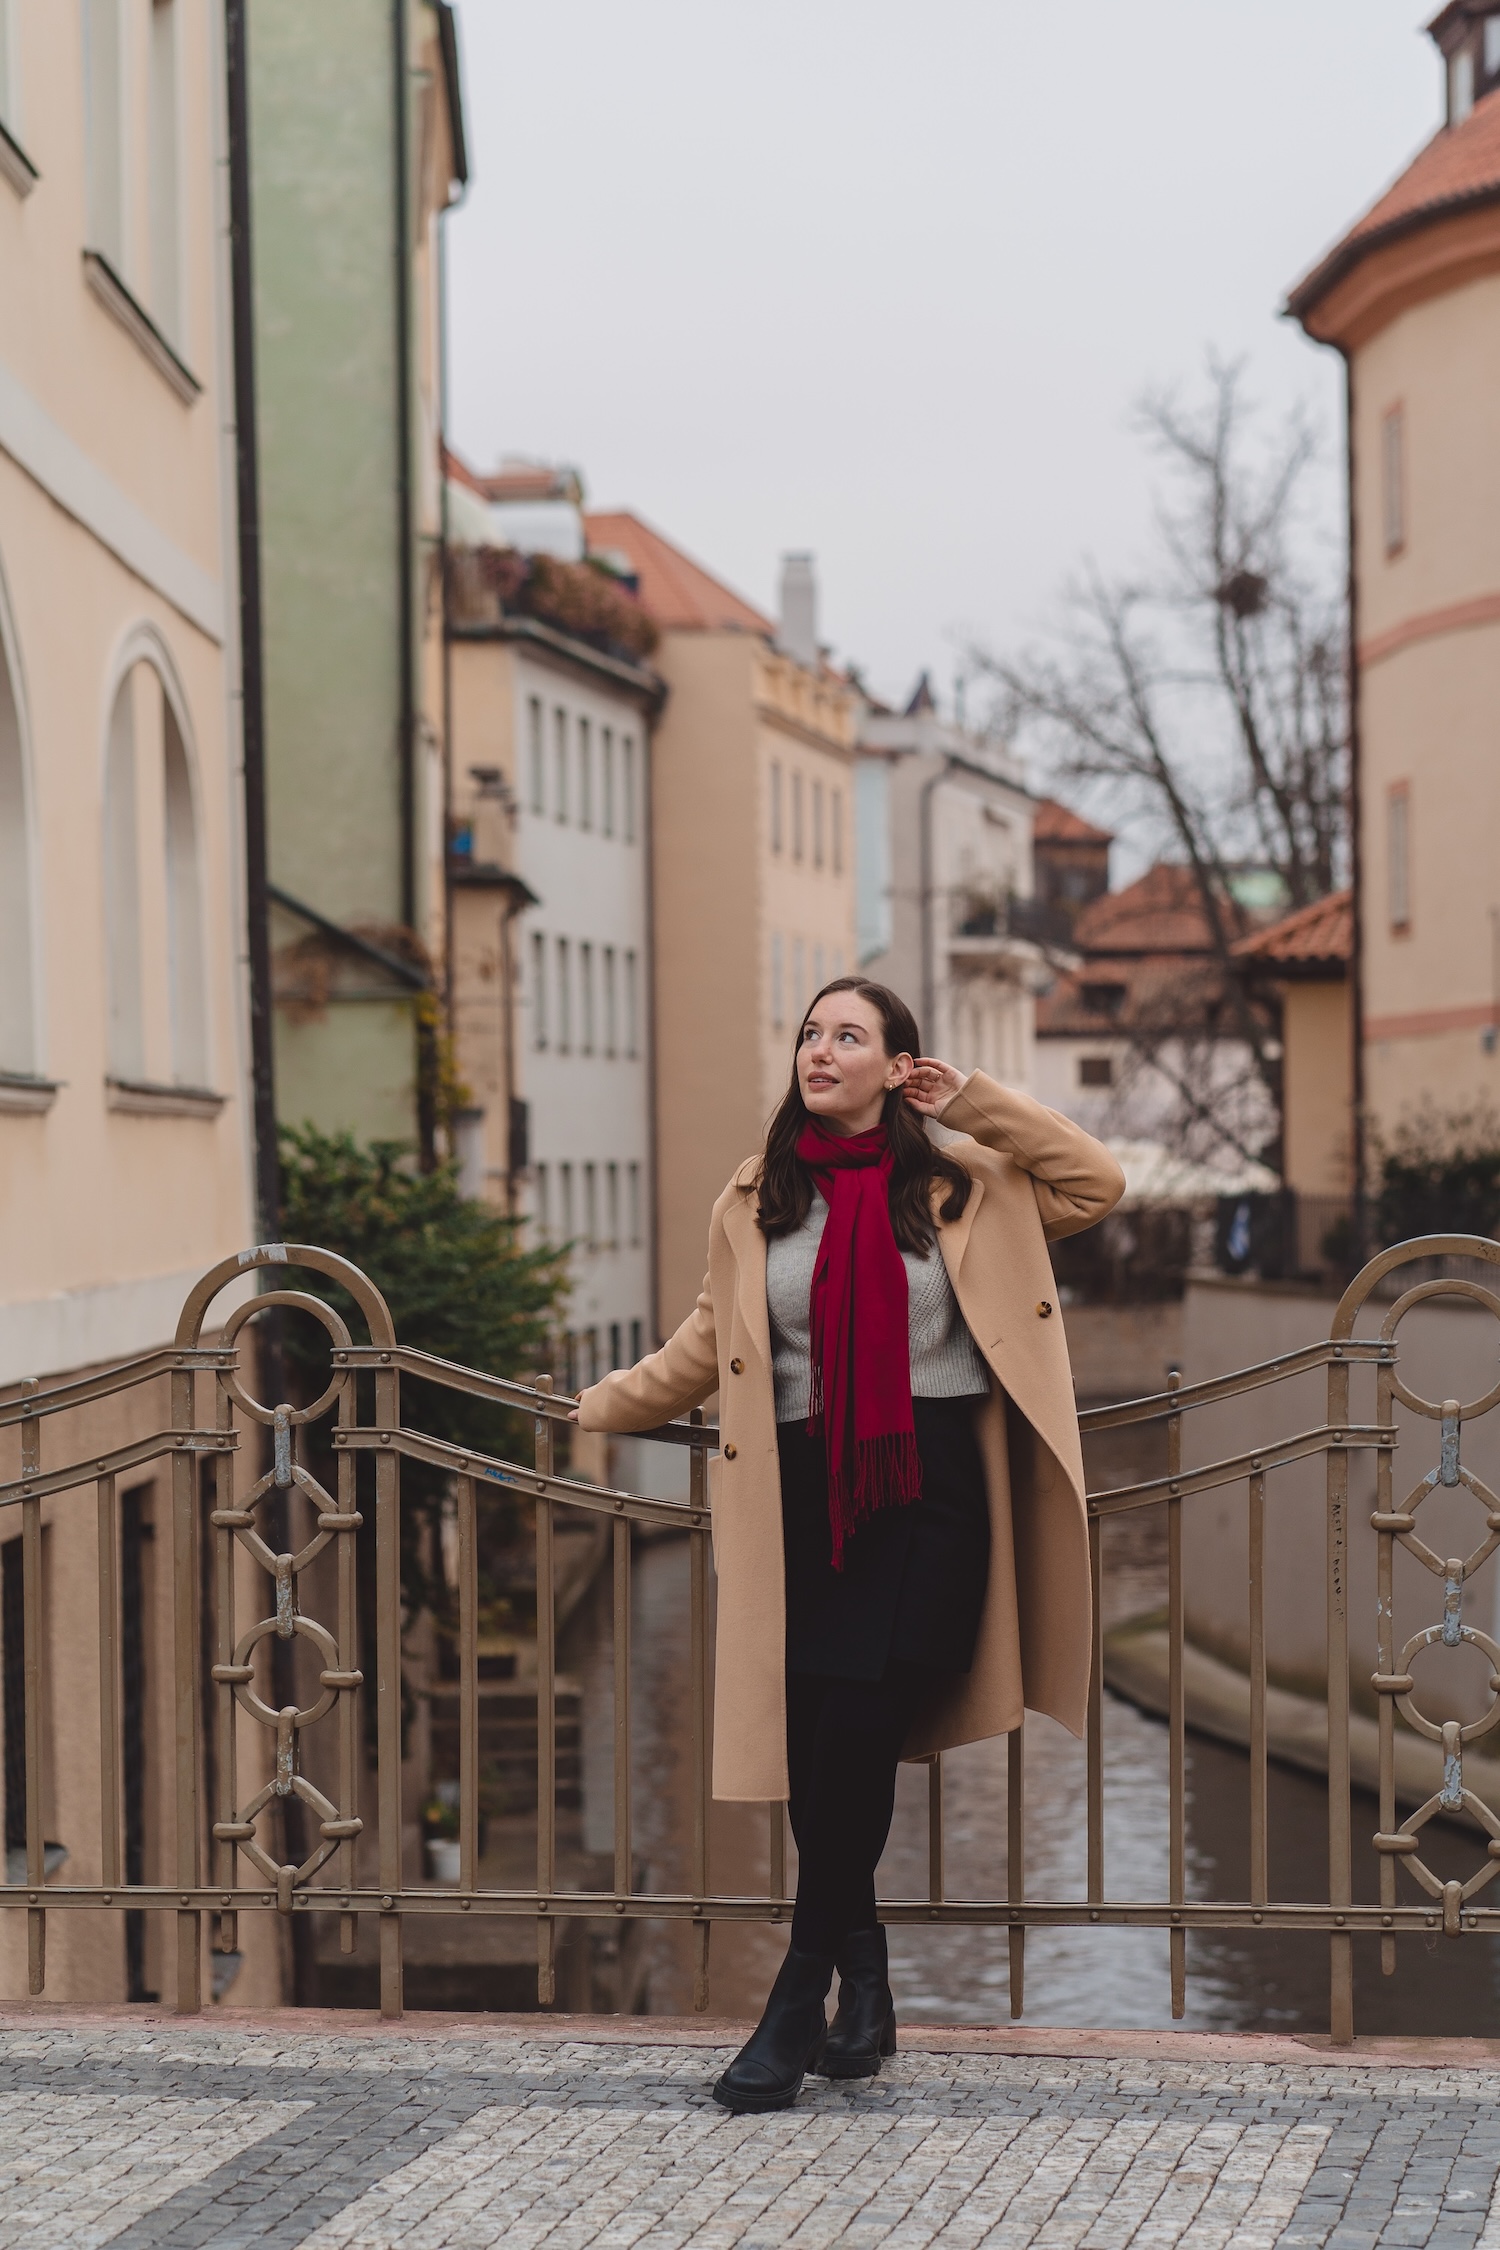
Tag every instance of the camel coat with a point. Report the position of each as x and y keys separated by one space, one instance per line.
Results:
x=1036 y=1177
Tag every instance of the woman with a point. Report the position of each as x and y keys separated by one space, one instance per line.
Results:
x=898 y=1517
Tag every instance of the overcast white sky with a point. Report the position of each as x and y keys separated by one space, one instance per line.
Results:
x=883 y=279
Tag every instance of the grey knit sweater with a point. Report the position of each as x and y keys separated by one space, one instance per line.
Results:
x=945 y=1360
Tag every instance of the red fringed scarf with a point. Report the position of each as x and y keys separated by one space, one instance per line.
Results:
x=861 y=1355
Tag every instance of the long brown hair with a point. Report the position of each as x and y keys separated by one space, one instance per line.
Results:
x=784 y=1182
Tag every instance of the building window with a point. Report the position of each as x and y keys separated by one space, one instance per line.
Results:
x=778 y=982
x=1393 y=479
x=817 y=823
x=1096 y=1070
x=616 y=1344
x=836 y=830
x=560 y=760
x=1398 y=856
x=607 y=780
x=163 y=188
x=611 y=1005
x=7 y=95
x=632 y=1003
x=627 y=785
x=796 y=816
x=585 y=999
x=565 y=1187
x=103 y=97
x=18 y=1042
x=538 y=754
x=541 y=1208
x=775 y=804
x=633 y=1195
x=612 y=1206
x=799 y=978
x=158 y=1005
x=564 y=997
x=817 y=981
x=538 y=989
x=637 y=1342
x=591 y=1205
x=585 y=774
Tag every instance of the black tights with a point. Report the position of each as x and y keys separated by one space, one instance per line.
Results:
x=844 y=1741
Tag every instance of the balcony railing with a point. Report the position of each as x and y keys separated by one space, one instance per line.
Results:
x=227 y=1860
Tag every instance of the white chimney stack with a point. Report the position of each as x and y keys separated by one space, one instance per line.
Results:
x=799 y=610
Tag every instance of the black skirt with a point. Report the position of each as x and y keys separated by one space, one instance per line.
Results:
x=912 y=1587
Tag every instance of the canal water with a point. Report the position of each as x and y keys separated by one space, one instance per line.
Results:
x=1104 y=1977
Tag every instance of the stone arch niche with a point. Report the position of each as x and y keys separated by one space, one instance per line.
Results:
x=19 y=1027
x=153 y=888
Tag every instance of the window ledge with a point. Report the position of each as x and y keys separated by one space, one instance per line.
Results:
x=138 y=324
x=139 y=1098
x=22 y=1095
x=16 y=164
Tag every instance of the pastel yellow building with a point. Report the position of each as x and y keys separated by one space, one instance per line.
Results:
x=1411 y=298
x=124 y=1130
x=752 y=868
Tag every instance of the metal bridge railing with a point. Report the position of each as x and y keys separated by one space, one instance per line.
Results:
x=226 y=1861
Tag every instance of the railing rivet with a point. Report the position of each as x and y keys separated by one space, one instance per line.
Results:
x=33 y=1896
x=1257 y=1917
x=1387 y=1919
x=103 y=1468
x=776 y=1914
x=1338 y=1437
x=1471 y=1921
x=1430 y=1920
x=1093 y=1913
x=1173 y=1487
x=1339 y=1919
x=619 y=1906
x=225 y=1899
x=932 y=1913
x=465 y=1904
x=541 y=1484
x=541 y=1906
x=266 y=1897
x=385 y=1359
x=186 y=1900
x=109 y=1898
x=1338 y=1351
x=1255 y=1460
x=387 y=1902
x=619 y=1507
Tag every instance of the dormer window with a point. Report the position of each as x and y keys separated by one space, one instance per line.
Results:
x=1468 y=34
x=1460 y=85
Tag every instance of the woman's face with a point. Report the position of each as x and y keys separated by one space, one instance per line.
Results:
x=843 y=1069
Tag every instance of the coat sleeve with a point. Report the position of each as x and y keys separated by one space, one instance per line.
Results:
x=1074 y=1177
x=665 y=1384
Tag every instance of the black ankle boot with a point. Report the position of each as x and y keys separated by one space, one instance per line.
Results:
x=865 y=2027
x=767 y=2072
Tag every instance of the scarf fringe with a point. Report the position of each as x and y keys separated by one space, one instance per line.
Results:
x=887 y=1473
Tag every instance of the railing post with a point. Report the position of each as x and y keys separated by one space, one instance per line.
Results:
x=698 y=1664
x=31 y=1639
x=388 y=1682
x=1340 y=1870
x=1015 y=1861
x=546 y=1722
x=1176 y=1715
x=1095 y=1736
x=186 y=1656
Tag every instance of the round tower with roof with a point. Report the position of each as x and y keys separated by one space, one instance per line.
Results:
x=1411 y=297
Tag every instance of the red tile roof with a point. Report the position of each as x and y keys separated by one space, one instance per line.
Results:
x=1160 y=913
x=1053 y=823
x=1459 y=167
x=1322 y=932
x=677 y=591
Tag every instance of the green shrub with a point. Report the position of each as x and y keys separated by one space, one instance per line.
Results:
x=1439 y=1174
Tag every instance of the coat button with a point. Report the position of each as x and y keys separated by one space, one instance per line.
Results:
x=736 y=1367
x=729 y=1452
x=1044 y=1310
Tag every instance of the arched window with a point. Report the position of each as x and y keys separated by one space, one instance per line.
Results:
x=18 y=1026
x=158 y=1021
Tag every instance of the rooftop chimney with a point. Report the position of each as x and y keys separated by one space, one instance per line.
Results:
x=798 y=635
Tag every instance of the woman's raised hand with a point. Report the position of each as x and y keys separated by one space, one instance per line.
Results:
x=932 y=1084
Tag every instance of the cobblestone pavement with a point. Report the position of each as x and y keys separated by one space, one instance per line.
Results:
x=134 y=2132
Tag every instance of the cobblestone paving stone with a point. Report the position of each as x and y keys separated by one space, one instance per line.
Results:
x=137 y=2134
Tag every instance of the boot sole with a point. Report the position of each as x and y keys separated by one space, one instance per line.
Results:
x=754 y=2105
x=856 y=2066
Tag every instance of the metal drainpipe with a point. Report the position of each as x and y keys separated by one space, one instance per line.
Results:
x=252 y=665
x=405 y=558
x=1357 y=1125
x=442 y=294
x=929 y=968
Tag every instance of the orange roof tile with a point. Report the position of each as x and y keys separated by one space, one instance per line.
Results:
x=1160 y=913
x=677 y=591
x=1321 y=932
x=1459 y=167
x=1053 y=823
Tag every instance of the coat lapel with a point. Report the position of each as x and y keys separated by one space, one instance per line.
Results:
x=742 y=1233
